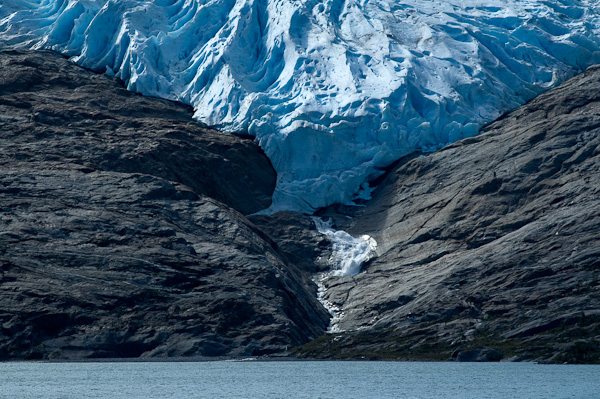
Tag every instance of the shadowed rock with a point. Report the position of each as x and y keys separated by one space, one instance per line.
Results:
x=51 y=107
x=118 y=236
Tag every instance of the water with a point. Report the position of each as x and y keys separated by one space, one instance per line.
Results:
x=349 y=253
x=283 y=379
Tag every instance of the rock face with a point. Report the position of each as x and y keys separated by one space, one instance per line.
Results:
x=68 y=114
x=297 y=238
x=122 y=234
x=487 y=249
x=122 y=231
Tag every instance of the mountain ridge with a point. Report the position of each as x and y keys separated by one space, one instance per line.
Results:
x=119 y=236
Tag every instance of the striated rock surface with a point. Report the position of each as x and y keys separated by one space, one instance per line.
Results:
x=488 y=249
x=122 y=234
x=120 y=227
x=68 y=114
x=297 y=238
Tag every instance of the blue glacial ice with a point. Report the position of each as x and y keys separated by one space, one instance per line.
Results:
x=333 y=90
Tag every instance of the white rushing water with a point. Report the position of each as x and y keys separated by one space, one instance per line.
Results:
x=348 y=255
x=333 y=90
x=334 y=311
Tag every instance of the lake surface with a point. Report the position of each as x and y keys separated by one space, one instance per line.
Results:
x=289 y=379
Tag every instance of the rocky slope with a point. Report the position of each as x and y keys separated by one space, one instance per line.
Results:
x=488 y=249
x=122 y=234
x=122 y=231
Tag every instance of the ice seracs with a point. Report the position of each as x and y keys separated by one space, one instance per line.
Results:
x=333 y=90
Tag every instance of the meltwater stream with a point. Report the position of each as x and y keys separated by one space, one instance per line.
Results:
x=348 y=255
x=285 y=379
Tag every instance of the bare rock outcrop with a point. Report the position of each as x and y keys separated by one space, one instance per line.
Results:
x=122 y=231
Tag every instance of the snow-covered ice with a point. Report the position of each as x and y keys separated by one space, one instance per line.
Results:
x=333 y=90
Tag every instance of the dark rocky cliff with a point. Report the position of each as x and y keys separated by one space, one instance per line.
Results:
x=123 y=234
x=489 y=248
x=122 y=231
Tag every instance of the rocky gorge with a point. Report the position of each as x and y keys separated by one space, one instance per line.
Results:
x=127 y=230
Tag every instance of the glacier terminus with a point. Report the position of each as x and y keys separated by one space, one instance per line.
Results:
x=334 y=90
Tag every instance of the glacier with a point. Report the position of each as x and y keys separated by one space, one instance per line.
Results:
x=333 y=90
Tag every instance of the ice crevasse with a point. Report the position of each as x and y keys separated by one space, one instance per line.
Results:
x=332 y=90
